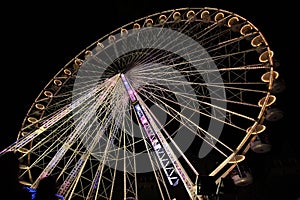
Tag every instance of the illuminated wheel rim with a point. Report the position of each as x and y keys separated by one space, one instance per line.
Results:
x=208 y=108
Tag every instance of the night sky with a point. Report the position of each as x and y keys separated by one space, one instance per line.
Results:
x=37 y=40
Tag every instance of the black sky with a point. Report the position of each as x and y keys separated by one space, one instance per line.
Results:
x=38 y=39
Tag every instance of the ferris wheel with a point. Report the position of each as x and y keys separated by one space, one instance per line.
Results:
x=151 y=107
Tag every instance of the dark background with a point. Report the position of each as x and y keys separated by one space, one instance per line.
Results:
x=38 y=39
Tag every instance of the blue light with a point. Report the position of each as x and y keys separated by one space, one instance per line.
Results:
x=33 y=192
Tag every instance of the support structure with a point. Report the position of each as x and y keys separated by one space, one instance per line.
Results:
x=167 y=158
